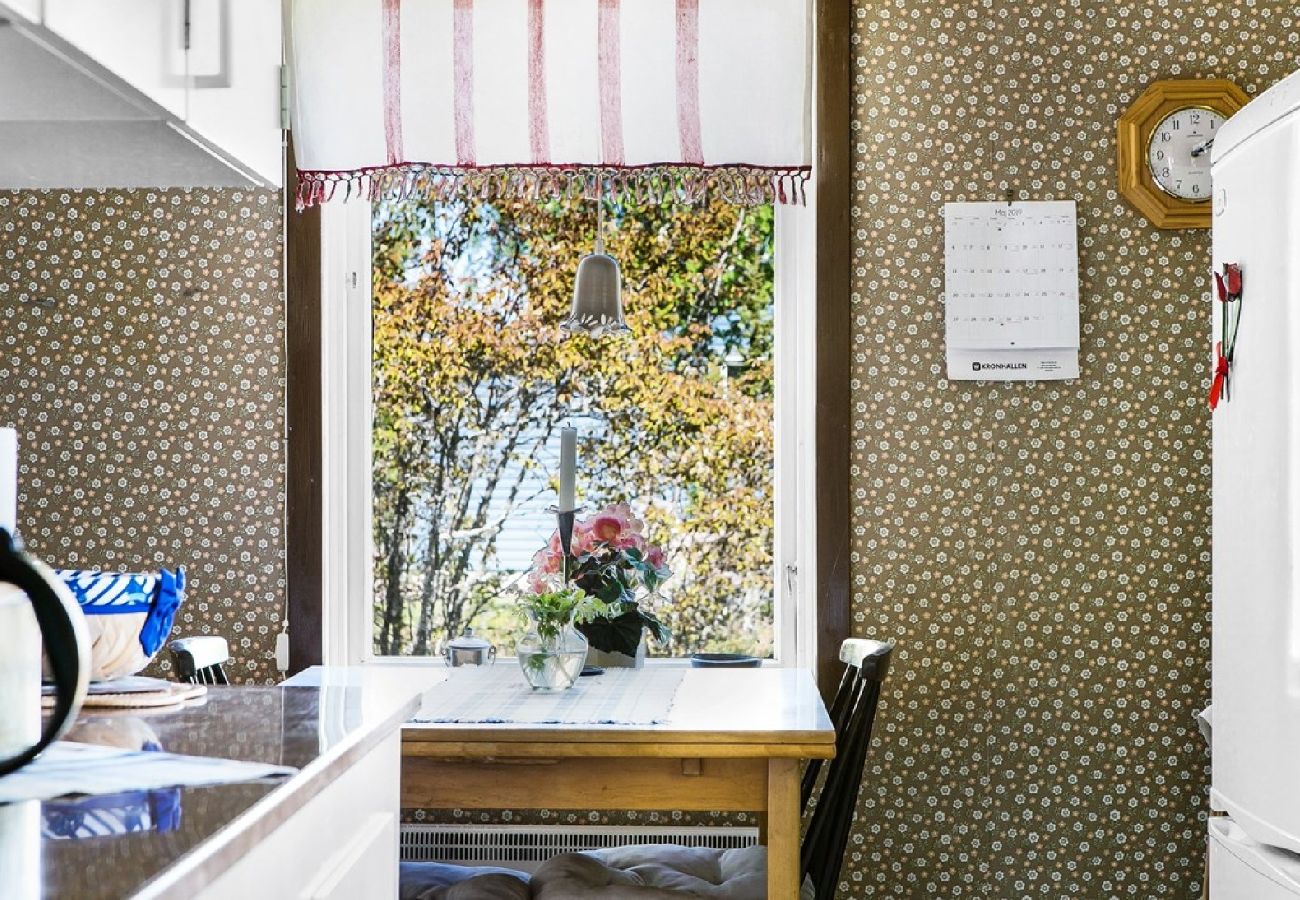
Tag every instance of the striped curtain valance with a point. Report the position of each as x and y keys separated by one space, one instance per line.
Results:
x=652 y=98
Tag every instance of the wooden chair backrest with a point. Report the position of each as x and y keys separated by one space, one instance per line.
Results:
x=200 y=660
x=853 y=711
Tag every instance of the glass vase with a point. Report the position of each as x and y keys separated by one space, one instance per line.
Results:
x=551 y=653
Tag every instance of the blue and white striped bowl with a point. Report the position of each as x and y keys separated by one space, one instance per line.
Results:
x=129 y=616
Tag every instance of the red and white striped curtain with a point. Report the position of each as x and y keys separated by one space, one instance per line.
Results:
x=653 y=98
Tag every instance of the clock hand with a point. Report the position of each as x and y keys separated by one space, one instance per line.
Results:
x=1202 y=147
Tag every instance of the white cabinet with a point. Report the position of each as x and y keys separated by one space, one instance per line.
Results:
x=244 y=118
x=341 y=845
x=224 y=90
x=28 y=9
x=126 y=37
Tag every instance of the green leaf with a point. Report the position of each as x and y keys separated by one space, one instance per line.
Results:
x=661 y=632
x=621 y=634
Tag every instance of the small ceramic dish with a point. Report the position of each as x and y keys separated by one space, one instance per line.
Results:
x=724 y=661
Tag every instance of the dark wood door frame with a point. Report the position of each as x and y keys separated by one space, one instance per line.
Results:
x=303 y=505
x=832 y=171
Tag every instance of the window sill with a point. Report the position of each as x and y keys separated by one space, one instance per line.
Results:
x=437 y=662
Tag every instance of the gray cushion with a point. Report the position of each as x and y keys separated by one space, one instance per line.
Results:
x=656 y=872
x=440 y=881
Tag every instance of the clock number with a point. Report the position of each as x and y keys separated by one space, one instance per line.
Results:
x=1169 y=160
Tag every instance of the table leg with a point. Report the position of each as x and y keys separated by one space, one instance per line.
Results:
x=782 y=829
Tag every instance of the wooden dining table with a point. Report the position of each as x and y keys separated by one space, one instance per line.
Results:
x=732 y=741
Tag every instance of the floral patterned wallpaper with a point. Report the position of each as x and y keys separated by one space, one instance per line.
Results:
x=1039 y=551
x=142 y=361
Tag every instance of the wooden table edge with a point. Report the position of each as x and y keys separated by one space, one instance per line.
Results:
x=560 y=750
x=416 y=732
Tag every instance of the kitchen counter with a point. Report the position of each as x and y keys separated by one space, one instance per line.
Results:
x=189 y=842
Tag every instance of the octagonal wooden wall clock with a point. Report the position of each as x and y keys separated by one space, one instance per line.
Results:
x=1164 y=144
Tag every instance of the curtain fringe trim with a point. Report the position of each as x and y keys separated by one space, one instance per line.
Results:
x=738 y=184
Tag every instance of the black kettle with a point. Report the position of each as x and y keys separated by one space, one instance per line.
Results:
x=67 y=643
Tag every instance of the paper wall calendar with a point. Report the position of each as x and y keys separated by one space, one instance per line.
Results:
x=1011 y=290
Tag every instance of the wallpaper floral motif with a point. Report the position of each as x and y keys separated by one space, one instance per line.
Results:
x=142 y=361
x=1039 y=551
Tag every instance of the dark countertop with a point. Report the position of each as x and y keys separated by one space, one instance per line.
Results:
x=178 y=838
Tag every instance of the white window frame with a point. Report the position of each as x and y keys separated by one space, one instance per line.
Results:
x=346 y=400
x=795 y=368
x=346 y=330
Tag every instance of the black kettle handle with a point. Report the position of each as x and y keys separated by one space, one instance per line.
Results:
x=65 y=645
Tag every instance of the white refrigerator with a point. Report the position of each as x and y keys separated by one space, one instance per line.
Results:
x=1255 y=851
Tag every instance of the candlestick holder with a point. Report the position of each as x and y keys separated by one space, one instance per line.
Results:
x=565 y=519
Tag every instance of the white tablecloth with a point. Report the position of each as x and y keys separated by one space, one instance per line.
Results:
x=499 y=694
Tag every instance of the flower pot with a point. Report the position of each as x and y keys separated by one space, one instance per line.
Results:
x=614 y=659
x=551 y=654
x=620 y=641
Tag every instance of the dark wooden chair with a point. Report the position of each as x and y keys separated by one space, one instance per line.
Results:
x=200 y=660
x=853 y=712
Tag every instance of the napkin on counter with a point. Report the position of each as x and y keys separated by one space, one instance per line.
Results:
x=70 y=768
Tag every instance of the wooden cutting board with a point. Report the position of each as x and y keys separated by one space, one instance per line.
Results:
x=166 y=694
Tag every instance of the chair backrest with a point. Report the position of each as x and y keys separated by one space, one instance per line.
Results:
x=853 y=711
x=200 y=660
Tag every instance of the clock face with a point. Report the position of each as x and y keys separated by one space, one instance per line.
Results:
x=1178 y=153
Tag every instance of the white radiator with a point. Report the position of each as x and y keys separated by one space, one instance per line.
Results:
x=525 y=847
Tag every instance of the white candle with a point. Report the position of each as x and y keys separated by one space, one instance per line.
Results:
x=20 y=849
x=8 y=479
x=20 y=673
x=568 y=465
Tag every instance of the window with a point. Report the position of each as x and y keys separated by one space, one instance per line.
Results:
x=446 y=317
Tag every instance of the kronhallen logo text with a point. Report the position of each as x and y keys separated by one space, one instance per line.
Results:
x=978 y=366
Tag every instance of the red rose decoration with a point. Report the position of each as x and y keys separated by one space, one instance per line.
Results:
x=1233 y=273
x=1220 y=377
x=1228 y=286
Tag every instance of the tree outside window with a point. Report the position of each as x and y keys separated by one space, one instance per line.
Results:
x=473 y=380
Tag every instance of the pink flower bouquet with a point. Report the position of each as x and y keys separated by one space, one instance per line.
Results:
x=611 y=560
